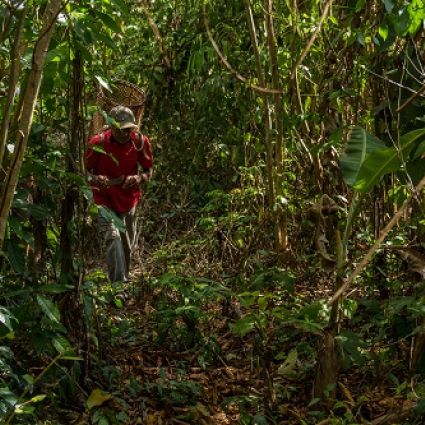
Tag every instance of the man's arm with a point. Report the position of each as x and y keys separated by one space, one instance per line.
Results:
x=91 y=159
x=146 y=175
x=137 y=179
x=145 y=160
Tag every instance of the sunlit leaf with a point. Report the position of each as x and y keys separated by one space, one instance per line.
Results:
x=23 y=409
x=37 y=398
x=103 y=83
x=360 y=143
x=383 y=31
x=416 y=11
x=384 y=161
x=97 y=398
x=5 y=318
x=288 y=368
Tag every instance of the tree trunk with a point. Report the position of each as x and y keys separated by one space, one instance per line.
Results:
x=282 y=237
x=15 y=68
x=70 y=202
x=418 y=348
x=267 y=121
x=327 y=373
x=29 y=99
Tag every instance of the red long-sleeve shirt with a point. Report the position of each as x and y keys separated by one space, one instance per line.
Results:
x=117 y=160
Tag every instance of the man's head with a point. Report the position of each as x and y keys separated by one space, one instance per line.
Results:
x=125 y=123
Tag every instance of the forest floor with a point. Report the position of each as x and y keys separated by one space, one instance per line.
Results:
x=191 y=340
x=159 y=368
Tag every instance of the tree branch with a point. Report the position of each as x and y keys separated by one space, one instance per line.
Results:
x=157 y=35
x=312 y=39
x=227 y=64
x=384 y=233
x=411 y=99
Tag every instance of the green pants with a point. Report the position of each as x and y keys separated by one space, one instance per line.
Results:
x=118 y=242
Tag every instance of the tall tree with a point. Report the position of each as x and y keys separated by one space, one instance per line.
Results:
x=23 y=115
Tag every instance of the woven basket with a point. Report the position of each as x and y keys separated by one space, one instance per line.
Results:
x=123 y=93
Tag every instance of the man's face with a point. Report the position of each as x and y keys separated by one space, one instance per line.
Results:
x=121 y=135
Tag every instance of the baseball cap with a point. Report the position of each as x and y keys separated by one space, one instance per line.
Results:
x=123 y=116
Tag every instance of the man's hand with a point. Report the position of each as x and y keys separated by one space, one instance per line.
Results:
x=132 y=181
x=100 y=181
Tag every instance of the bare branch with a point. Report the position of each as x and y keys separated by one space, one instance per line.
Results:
x=411 y=99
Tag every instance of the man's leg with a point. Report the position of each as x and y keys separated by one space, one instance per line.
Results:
x=129 y=237
x=113 y=248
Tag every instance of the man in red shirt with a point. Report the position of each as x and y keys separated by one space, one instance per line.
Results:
x=118 y=161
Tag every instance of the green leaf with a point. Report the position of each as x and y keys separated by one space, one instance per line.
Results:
x=29 y=379
x=288 y=368
x=122 y=417
x=73 y=358
x=353 y=346
x=418 y=152
x=37 y=398
x=259 y=420
x=121 y=6
x=384 y=161
x=419 y=409
x=360 y=143
x=109 y=22
x=415 y=170
x=103 y=421
x=383 y=31
x=244 y=326
x=22 y=409
x=360 y=5
x=389 y=5
x=61 y=344
x=97 y=398
x=54 y=288
x=49 y=308
x=8 y=396
x=5 y=317
x=109 y=215
x=104 y=38
x=416 y=11
x=99 y=148
x=401 y=22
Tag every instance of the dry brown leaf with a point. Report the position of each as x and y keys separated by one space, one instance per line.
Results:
x=345 y=391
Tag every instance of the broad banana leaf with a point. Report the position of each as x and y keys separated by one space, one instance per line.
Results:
x=360 y=144
x=384 y=161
